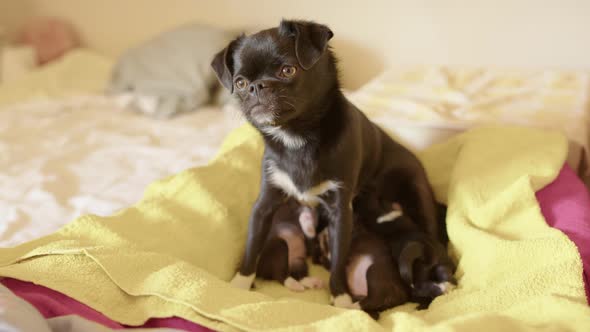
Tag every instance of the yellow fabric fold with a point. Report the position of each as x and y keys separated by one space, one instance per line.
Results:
x=79 y=72
x=172 y=253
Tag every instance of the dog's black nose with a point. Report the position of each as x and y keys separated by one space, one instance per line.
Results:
x=256 y=87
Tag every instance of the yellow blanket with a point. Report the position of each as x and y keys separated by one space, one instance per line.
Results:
x=172 y=253
x=79 y=72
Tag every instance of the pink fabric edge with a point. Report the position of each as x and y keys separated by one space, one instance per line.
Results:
x=565 y=204
x=51 y=304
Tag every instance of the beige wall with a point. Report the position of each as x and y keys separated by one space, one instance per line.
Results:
x=369 y=34
x=12 y=13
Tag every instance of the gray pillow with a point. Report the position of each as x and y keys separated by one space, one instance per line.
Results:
x=172 y=72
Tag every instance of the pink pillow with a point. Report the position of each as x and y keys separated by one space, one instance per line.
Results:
x=50 y=37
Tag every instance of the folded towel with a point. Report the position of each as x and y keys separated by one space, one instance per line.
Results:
x=172 y=253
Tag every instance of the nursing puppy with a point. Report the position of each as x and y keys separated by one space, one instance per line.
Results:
x=424 y=263
x=284 y=254
x=424 y=266
x=372 y=272
x=319 y=148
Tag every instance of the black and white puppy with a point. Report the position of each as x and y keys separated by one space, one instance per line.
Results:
x=284 y=254
x=372 y=272
x=319 y=148
x=424 y=263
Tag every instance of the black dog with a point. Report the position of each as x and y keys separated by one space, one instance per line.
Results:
x=319 y=148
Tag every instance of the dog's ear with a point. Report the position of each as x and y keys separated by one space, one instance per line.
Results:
x=311 y=40
x=223 y=65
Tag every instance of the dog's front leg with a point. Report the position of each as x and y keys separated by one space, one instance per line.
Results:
x=258 y=227
x=340 y=224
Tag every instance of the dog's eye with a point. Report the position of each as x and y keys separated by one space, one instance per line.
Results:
x=288 y=71
x=241 y=84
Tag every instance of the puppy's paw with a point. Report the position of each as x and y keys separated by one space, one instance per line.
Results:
x=243 y=282
x=312 y=282
x=446 y=287
x=343 y=301
x=293 y=285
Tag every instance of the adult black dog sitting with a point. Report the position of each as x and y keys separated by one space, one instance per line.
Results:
x=319 y=148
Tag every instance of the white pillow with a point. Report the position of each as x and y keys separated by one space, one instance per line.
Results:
x=172 y=72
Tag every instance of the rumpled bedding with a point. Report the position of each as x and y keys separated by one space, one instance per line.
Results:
x=56 y=128
x=51 y=305
x=515 y=272
x=565 y=204
x=428 y=103
x=67 y=150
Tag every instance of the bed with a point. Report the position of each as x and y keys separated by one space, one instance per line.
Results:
x=92 y=157
x=84 y=153
x=67 y=150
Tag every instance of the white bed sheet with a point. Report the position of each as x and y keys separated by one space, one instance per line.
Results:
x=86 y=155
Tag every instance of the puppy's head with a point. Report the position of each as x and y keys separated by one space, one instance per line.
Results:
x=276 y=73
x=427 y=269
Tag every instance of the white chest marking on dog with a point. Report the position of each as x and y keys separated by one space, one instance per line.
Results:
x=391 y=216
x=289 y=140
x=309 y=197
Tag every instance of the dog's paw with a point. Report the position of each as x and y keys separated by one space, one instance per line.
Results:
x=343 y=301
x=312 y=282
x=243 y=282
x=293 y=285
x=446 y=287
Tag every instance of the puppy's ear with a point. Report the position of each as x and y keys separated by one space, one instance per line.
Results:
x=311 y=40
x=223 y=65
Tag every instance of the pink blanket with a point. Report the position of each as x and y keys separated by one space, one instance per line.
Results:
x=54 y=304
x=565 y=203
